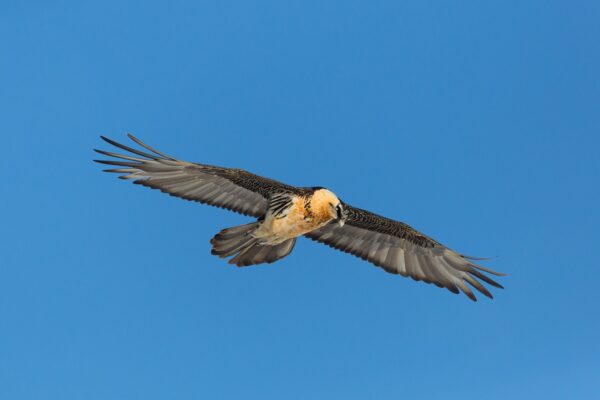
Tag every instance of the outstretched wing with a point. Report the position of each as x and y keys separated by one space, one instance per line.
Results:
x=234 y=189
x=400 y=249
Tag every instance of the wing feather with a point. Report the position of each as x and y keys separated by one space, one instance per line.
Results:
x=398 y=248
x=230 y=188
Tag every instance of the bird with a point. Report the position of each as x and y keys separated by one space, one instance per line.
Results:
x=284 y=213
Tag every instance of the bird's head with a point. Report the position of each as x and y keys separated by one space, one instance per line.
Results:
x=330 y=206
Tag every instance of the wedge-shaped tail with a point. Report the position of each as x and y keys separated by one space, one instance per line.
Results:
x=247 y=249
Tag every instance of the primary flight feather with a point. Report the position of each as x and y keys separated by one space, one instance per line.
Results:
x=286 y=212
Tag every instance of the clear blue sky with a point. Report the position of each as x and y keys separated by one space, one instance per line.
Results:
x=477 y=123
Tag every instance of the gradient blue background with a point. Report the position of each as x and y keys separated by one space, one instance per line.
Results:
x=476 y=122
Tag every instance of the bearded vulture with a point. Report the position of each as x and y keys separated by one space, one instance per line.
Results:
x=285 y=212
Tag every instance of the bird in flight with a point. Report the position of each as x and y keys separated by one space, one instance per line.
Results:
x=286 y=212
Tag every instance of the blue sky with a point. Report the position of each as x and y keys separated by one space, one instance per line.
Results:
x=477 y=123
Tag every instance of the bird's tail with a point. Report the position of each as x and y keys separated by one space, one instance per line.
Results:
x=247 y=249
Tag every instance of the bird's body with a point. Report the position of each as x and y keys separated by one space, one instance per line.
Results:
x=285 y=213
x=301 y=214
x=272 y=237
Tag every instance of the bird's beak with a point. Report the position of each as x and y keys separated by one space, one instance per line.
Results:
x=341 y=215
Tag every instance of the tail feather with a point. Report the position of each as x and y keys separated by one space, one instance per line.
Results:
x=258 y=254
x=231 y=240
x=237 y=230
x=239 y=241
x=229 y=247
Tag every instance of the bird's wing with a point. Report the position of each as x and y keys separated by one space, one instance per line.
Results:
x=233 y=189
x=400 y=249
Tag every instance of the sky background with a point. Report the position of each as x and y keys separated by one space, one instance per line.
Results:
x=477 y=123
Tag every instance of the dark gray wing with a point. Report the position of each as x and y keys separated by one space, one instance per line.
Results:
x=234 y=189
x=400 y=249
